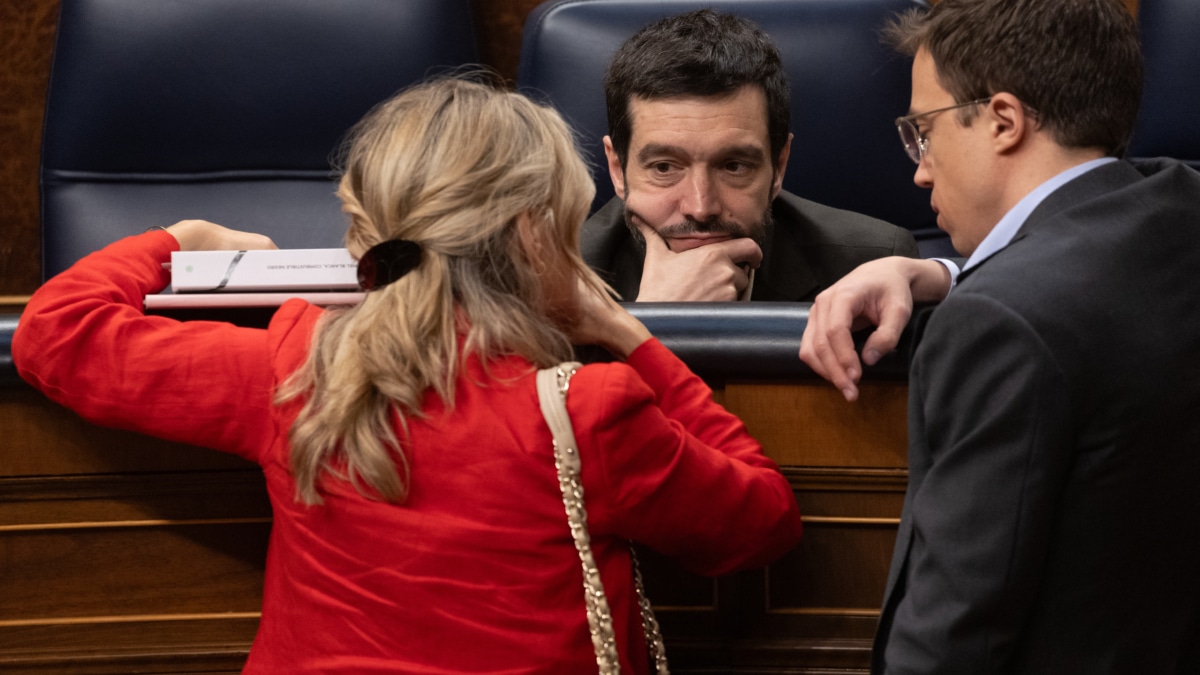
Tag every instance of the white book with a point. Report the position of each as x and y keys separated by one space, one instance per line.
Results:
x=303 y=269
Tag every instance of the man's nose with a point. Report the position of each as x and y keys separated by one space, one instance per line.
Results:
x=922 y=177
x=700 y=200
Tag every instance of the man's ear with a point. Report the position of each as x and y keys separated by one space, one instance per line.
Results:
x=781 y=167
x=615 y=172
x=1008 y=122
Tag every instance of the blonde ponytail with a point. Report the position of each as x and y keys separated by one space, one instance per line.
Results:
x=451 y=165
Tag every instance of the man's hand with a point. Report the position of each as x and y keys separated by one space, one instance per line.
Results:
x=201 y=235
x=714 y=272
x=878 y=293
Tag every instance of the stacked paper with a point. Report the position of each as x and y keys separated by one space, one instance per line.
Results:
x=310 y=269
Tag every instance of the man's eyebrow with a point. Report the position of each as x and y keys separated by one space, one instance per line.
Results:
x=751 y=153
x=651 y=150
x=743 y=152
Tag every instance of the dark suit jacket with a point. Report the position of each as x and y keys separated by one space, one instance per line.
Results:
x=810 y=247
x=1052 y=520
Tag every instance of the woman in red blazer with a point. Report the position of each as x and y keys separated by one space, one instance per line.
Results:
x=418 y=524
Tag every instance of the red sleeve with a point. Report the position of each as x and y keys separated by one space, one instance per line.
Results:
x=678 y=472
x=85 y=342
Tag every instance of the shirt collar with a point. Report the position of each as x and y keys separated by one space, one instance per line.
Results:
x=1004 y=231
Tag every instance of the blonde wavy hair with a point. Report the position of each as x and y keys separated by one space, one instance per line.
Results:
x=452 y=165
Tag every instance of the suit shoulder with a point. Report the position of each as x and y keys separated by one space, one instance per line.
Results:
x=603 y=234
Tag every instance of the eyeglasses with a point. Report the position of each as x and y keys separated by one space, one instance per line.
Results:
x=915 y=143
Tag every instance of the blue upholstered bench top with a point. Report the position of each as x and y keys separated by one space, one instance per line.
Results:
x=720 y=341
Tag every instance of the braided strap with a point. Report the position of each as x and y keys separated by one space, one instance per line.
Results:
x=552 y=384
x=654 y=639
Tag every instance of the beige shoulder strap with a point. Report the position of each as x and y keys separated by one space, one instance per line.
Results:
x=552 y=385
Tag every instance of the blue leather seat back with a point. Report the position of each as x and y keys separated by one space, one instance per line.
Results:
x=1169 y=121
x=847 y=90
x=225 y=110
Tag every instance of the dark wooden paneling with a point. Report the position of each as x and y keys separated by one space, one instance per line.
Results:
x=212 y=644
x=44 y=439
x=98 y=571
x=26 y=40
x=153 y=572
x=810 y=424
x=32 y=502
x=500 y=23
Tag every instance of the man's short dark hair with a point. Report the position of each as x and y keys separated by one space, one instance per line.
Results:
x=700 y=53
x=1077 y=63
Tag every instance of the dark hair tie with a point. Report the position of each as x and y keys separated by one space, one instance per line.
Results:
x=386 y=262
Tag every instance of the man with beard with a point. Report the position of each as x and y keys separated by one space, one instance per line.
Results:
x=698 y=113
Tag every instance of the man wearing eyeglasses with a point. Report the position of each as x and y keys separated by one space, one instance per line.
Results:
x=698 y=114
x=1052 y=517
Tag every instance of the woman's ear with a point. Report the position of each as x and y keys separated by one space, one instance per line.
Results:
x=530 y=233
